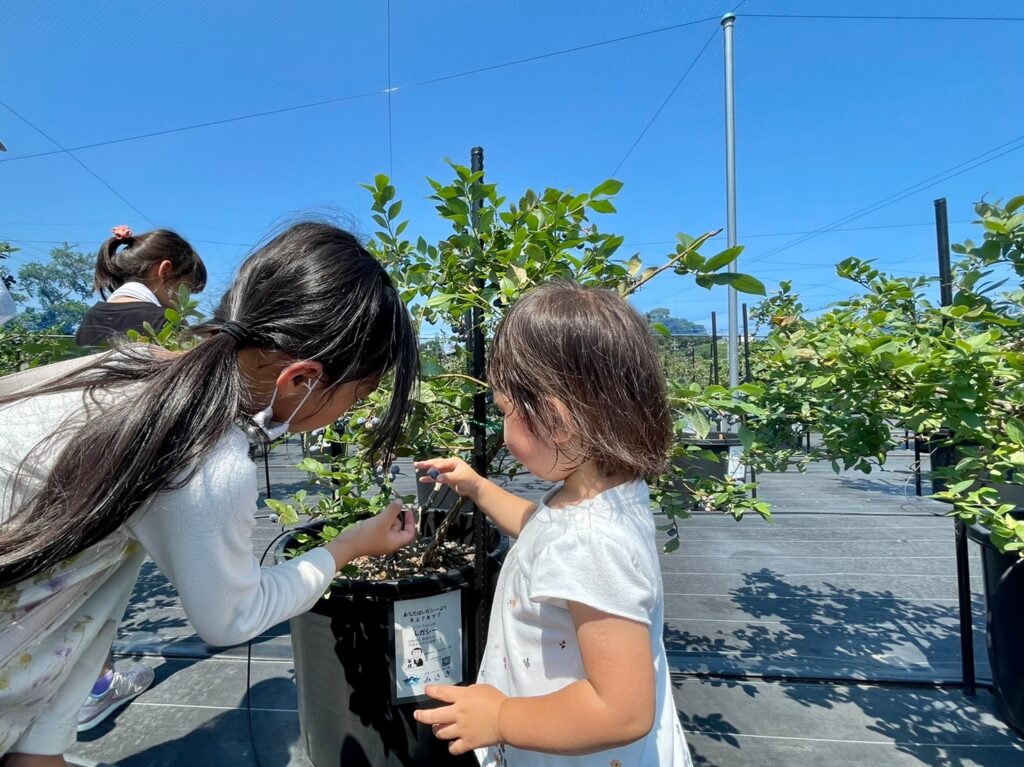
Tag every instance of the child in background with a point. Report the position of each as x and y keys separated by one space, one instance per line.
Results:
x=575 y=670
x=138 y=277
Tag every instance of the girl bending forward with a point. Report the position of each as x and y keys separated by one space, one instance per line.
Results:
x=141 y=451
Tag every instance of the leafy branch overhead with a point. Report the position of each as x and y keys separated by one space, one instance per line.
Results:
x=497 y=249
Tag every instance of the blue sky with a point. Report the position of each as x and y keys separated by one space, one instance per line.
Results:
x=832 y=116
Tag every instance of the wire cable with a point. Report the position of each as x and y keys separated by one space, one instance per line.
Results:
x=664 y=103
x=366 y=94
x=885 y=202
x=63 y=150
x=391 y=153
x=880 y=17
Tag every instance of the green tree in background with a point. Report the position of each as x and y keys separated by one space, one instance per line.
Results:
x=676 y=325
x=60 y=288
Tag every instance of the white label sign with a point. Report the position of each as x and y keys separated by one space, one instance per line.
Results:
x=7 y=307
x=737 y=469
x=428 y=643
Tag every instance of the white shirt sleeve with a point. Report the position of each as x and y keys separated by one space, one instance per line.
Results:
x=200 y=536
x=590 y=567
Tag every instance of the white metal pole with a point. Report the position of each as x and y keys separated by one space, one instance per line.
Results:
x=730 y=197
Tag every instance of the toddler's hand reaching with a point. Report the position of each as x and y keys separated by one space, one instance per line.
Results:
x=453 y=472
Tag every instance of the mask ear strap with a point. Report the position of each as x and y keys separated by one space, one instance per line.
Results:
x=310 y=387
x=264 y=417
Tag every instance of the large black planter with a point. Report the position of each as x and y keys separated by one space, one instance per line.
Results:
x=1004 y=624
x=344 y=654
x=710 y=462
x=940 y=455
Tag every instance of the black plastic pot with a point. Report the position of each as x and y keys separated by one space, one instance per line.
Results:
x=1004 y=623
x=943 y=456
x=344 y=655
x=940 y=455
x=711 y=462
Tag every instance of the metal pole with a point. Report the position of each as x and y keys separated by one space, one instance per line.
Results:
x=479 y=433
x=747 y=347
x=963 y=567
x=747 y=378
x=714 y=348
x=728 y=21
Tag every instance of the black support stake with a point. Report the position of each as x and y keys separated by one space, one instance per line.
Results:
x=477 y=352
x=963 y=567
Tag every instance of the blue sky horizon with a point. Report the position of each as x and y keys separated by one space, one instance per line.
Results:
x=847 y=129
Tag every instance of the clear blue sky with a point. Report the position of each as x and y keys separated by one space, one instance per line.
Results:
x=832 y=116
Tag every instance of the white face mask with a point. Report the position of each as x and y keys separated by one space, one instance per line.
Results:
x=263 y=419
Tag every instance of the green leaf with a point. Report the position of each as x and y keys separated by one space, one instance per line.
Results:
x=890 y=347
x=1015 y=430
x=601 y=206
x=671 y=545
x=724 y=258
x=394 y=210
x=959 y=487
x=439 y=298
x=746 y=437
x=287 y=517
x=660 y=328
x=743 y=283
x=609 y=187
x=1015 y=203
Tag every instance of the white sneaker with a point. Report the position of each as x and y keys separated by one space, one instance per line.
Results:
x=124 y=687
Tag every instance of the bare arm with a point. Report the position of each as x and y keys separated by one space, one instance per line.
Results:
x=613 y=706
x=508 y=511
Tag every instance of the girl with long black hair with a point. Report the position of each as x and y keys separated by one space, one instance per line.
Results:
x=143 y=451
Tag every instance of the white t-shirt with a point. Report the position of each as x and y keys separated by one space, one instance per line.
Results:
x=56 y=627
x=600 y=553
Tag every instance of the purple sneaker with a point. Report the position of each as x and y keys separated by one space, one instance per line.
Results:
x=124 y=687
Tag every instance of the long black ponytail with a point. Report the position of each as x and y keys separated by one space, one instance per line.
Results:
x=313 y=293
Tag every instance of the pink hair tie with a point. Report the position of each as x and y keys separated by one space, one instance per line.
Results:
x=122 y=232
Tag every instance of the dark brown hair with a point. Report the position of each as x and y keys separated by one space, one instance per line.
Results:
x=131 y=258
x=583 y=360
x=313 y=292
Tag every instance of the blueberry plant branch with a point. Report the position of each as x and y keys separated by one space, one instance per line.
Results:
x=485 y=263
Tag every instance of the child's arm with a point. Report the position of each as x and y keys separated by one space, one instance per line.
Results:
x=613 y=706
x=507 y=511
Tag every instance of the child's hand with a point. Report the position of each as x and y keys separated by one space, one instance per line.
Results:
x=471 y=721
x=454 y=472
x=389 y=531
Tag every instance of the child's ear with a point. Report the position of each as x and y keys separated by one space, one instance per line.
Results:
x=562 y=431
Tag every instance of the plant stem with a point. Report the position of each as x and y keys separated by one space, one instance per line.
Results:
x=692 y=247
x=451 y=516
x=462 y=375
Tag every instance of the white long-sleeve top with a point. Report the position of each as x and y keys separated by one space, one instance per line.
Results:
x=56 y=628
